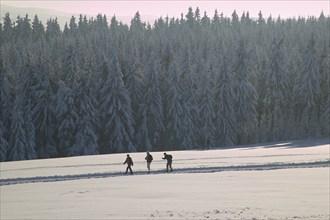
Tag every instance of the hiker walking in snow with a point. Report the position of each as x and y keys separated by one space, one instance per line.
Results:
x=149 y=159
x=168 y=157
x=129 y=162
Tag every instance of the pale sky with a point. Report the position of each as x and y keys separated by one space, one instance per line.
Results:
x=174 y=8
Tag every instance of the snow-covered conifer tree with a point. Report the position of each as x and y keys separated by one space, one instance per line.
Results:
x=306 y=92
x=189 y=102
x=174 y=109
x=136 y=23
x=3 y=143
x=70 y=67
x=245 y=96
x=25 y=95
x=261 y=69
x=115 y=109
x=73 y=25
x=206 y=110
x=30 y=144
x=234 y=19
x=151 y=108
x=8 y=28
x=134 y=81
x=53 y=29
x=190 y=18
x=17 y=136
x=325 y=94
x=67 y=119
x=276 y=90
x=38 y=30
x=205 y=21
x=43 y=113
x=86 y=138
x=224 y=105
x=5 y=96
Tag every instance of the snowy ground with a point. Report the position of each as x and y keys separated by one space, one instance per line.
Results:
x=287 y=180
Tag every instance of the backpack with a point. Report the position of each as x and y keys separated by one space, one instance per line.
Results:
x=130 y=161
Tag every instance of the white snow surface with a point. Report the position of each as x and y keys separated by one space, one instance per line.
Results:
x=286 y=180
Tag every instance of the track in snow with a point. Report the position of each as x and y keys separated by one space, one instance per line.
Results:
x=261 y=167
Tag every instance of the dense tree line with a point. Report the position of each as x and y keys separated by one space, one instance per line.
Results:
x=194 y=82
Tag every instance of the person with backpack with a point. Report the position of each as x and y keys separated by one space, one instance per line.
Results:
x=168 y=157
x=129 y=162
x=149 y=159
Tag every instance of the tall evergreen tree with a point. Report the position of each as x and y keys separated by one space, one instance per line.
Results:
x=30 y=143
x=137 y=26
x=52 y=29
x=151 y=124
x=134 y=80
x=190 y=107
x=216 y=18
x=324 y=100
x=8 y=28
x=245 y=96
x=234 y=19
x=115 y=109
x=86 y=138
x=306 y=91
x=17 y=137
x=206 y=111
x=38 y=30
x=23 y=29
x=205 y=20
x=70 y=67
x=174 y=109
x=3 y=143
x=5 y=96
x=73 y=25
x=25 y=94
x=43 y=114
x=225 y=105
x=67 y=120
x=190 y=18
x=197 y=16
x=276 y=91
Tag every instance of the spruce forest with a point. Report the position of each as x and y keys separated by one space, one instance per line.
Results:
x=98 y=86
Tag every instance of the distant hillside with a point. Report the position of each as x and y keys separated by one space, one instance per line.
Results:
x=62 y=17
x=43 y=14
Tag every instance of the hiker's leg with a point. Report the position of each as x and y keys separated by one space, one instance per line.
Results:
x=148 y=165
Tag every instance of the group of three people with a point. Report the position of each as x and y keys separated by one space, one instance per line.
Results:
x=149 y=159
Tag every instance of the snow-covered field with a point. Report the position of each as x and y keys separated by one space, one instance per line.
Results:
x=287 y=180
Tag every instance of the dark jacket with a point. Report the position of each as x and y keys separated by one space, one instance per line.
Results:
x=149 y=158
x=129 y=161
x=168 y=157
